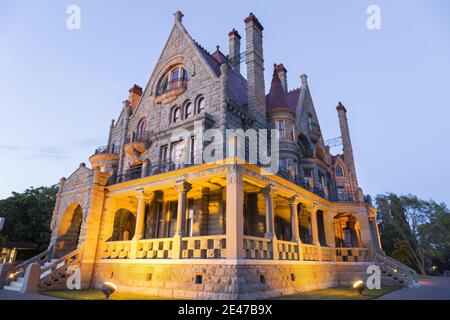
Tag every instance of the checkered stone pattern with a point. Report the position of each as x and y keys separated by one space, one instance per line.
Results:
x=257 y=249
x=155 y=249
x=351 y=255
x=203 y=249
x=116 y=250
x=287 y=250
x=310 y=253
x=327 y=254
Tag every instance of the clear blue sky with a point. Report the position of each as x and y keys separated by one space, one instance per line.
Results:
x=59 y=89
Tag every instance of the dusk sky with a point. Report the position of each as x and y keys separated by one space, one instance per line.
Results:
x=60 y=88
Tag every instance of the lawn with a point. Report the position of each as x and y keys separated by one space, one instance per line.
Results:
x=97 y=295
x=340 y=293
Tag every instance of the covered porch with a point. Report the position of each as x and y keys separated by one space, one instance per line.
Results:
x=229 y=212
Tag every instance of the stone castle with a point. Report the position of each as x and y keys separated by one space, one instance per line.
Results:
x=149 y=221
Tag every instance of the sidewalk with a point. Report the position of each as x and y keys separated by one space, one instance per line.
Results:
x=432 y=288
x=14 y=295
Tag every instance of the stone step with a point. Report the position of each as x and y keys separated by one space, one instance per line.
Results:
x=12 y=288
x=16 y=284
x=20 y=279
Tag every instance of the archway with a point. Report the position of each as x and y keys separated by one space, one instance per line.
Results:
x=347 y=231
x=124 y=225
x=69 y=230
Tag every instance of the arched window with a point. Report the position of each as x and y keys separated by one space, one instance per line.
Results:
x=201 y=105
x=188 y=110
x=142 y=126
x=176 y=114
x=339 y=171
x=175 y=78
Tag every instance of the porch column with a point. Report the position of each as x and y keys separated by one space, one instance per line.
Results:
x=365 y=229
x=183 y=188
x=293 y=203
x=315 y=231
x=234 y=215
x=270 y=219
x=329 y=228
x=140 y=216
x=294 y=219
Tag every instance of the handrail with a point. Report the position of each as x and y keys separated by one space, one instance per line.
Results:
x=388 y=262
x=62 y=259
x=19 y=270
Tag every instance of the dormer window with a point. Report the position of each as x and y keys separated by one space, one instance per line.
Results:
x=175 y=79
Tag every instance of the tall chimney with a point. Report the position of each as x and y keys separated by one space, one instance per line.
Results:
x=234 y=40
x=134 y=97
x=282 y=74
x=255 y=69
x=347 y=144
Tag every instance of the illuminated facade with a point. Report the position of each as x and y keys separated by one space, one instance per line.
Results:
x=145 y=220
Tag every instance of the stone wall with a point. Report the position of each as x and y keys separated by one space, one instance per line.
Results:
x=222 y=281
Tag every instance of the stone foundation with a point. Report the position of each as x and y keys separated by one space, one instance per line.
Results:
x=223 y=280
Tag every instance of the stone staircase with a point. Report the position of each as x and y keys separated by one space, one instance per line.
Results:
x=50 y=275
x=395 y=273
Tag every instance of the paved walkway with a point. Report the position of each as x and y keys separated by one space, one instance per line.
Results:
x=432 y=288
x=14 y=295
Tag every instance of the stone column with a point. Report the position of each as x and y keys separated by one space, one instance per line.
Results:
x=270 y=220
x=329 y=228
x=234 y=215
x=183 y=188
x=139 y=229
x=315 y=231
x=145 y=165
x=365 y=229
x=293 y=202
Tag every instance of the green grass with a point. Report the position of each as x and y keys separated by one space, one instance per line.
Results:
x=98 y=295
x=340 y=293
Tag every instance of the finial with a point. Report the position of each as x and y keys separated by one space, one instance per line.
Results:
x=341 y=107
x=304 y=79
x=178 y=16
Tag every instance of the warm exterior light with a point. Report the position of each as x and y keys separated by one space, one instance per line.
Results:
x=108 y=289
x=360 y=286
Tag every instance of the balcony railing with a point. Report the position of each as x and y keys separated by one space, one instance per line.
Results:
x=176 y=84
x=105 y=149
x=142 y=136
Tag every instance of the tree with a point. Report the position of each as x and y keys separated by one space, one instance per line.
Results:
x=414 y=231
x=28 y=215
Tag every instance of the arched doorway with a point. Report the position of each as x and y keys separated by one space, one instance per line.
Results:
x=347 y=231
x=69 y=231
x=124 y=225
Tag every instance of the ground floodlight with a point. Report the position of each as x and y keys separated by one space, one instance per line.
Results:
x=108 y=289
x=360 y=286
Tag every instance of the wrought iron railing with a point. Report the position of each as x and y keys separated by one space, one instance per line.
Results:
x=175 y=84
x=106 y=149
x=142 y=136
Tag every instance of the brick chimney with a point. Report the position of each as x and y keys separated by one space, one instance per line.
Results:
x=234 y=40
x=282 y=74
x=255 y=69
x=134 y=97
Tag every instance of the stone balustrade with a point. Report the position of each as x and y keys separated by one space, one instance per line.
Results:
x=154 y=248
x=257 y=248
x=310 y=252
x=203 y=247
x=287 y=250
x=351 y=254
x=116 y=250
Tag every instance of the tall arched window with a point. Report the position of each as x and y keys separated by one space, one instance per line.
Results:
x=176 y=114
x=141 y=127
x=201 y=104
x=188 y=112
x=339 y=171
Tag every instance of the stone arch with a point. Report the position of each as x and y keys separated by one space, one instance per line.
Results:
x=69 y=230
x=347 y=231
x=123 y=226
x=183 y=60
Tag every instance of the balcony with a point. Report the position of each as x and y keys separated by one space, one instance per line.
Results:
x=170 y=90
x=137 y=142
x=105 y=157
